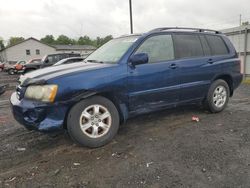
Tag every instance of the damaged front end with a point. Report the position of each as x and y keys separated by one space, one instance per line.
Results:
x=35 y=114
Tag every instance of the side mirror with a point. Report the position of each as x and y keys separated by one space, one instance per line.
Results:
x=138 y=59
x=46 y=61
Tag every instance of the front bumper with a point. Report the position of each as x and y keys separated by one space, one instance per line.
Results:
x=39 y=116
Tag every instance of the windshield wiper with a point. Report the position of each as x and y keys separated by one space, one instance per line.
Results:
x=94 y=61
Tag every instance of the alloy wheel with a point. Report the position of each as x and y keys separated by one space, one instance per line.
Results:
x=219 y=96
x=95 y=121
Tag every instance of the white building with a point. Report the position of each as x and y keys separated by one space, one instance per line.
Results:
x=33 y=48
x=240 y=37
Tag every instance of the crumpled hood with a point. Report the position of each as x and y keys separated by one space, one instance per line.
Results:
x=40 y=76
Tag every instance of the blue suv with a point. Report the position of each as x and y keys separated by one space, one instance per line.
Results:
x=127 y=76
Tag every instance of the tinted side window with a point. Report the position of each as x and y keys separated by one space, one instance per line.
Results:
x=69 y=61
x=205 y=46
x=50 y=59
x=74 y=55
x=159 y=48
x=76 y=60
x=187 y=46
x=217 y=45
x=57 y=58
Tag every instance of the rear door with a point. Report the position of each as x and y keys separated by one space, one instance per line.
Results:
x=197 y=64
x=154 y=84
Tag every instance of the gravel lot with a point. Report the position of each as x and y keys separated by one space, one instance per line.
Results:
x=163 y=149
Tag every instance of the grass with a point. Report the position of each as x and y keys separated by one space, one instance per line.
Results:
x=246 y=81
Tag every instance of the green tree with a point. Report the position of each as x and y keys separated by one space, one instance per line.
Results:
x=1 y=43
x=97 y=41
x=15 y=40
x=62 y=39
x=106 y=39
x=48 y=39
x=100 y=41
x=85 y=40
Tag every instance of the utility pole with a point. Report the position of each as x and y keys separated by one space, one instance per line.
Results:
x=239 y=47
x=131 y=17
x=240 y=20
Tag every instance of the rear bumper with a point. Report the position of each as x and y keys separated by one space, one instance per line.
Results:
x=38 y=116
x=237 y=79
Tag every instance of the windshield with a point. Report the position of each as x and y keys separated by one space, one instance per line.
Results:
x=112 y=51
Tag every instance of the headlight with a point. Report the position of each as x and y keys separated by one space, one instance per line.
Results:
x=45 y=93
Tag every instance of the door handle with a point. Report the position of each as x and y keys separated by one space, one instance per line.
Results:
x=173 y=66
x=210 y=61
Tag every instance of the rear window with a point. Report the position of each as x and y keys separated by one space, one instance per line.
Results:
x=187 y=46
x=73 y=55
x=217 y=45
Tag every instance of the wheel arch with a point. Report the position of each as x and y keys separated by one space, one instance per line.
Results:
x=121 y=106
x=228 y=79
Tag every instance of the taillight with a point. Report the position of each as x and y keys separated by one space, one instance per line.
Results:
x=241 y=66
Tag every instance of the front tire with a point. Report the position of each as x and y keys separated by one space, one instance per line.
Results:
x=93 y=122
x=218 y=96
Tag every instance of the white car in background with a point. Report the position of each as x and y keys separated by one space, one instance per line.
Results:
x=69 y=60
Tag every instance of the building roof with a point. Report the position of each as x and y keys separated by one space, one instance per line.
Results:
x=235 y=30
x=74 y=47
x=57 y=47
x=31 y=38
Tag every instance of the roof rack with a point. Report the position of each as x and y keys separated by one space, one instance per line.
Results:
x=128 y=35
x=184 y=28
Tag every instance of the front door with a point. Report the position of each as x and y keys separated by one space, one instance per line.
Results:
x=154 y=84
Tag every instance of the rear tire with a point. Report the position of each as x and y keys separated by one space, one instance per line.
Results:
x=217 y=96
x=11 y=72
x=93 y=122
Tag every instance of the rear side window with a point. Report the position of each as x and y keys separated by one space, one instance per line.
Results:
x=159 y=48
x=69 y=61
x=50 y=59
x=187 y=46
x=205 y=46
x=75 y=60
x=217 y=45
x=57 y=58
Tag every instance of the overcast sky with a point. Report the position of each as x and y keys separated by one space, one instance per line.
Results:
x=74 y=18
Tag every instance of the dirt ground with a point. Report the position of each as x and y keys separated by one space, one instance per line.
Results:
x=163 y=149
